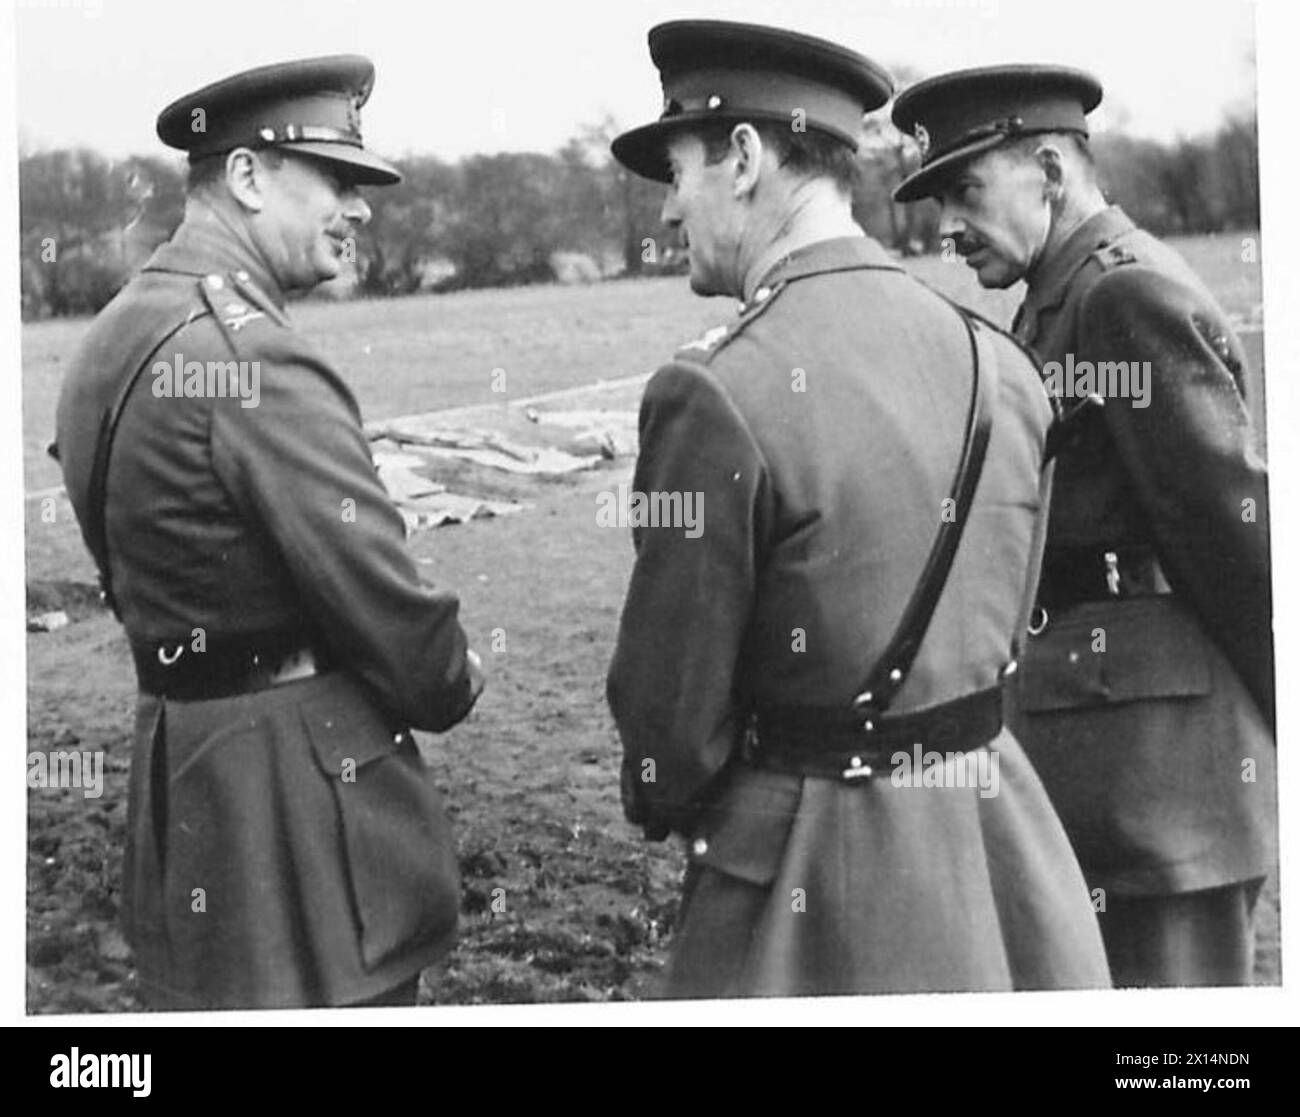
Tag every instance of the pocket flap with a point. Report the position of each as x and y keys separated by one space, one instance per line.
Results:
x=1107 y=652
x=401 y=856
x=344 y=726
x=745 y=831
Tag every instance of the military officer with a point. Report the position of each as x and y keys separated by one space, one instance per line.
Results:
x=1147 y=686
x=286 y=845
x=838 y=439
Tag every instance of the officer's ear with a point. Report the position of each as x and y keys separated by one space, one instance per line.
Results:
x=1052 y=163
x=246 y=176
x=747 y=151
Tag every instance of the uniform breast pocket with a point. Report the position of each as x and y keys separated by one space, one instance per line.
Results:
x=398 y=845
x=1101 y=653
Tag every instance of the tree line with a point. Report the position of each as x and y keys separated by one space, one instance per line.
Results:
x=88 y=222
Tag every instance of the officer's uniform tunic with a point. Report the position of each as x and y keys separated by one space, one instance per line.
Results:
x=819 y=508
x=285 y=846
x=1157 y=751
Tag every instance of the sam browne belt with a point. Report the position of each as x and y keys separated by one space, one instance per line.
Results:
x=224 y=667
x=834 y=746
x=852 y=742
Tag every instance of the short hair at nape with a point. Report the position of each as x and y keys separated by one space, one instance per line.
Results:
x=208 y=170
x=1075 y=142
x=810 y=154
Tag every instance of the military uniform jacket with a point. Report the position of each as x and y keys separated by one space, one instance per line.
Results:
x=1147 y=712
x=302 y=813
x=821 y=432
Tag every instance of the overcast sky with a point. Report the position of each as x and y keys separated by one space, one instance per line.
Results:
x=479 y=75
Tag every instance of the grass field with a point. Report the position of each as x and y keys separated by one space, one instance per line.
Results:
x=531 y=777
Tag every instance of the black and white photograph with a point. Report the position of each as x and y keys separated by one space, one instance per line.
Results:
x=726 y=513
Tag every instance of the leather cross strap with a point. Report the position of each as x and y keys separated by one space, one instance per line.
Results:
x=97 y=495
x=891 y=670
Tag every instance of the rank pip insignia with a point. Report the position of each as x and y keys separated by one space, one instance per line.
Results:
x=238 y=314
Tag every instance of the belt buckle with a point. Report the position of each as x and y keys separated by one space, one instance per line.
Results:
x=858 y=769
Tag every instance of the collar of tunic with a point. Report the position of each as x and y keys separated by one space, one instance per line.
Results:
x=206 y=245
x=1049 y=287
x=837 y=254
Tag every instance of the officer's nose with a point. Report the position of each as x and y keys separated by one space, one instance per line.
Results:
x=670 y=215
x=355 y=208
x=950 y=225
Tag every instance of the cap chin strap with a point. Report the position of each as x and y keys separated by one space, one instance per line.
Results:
x=309 y=133
x=1012 y=128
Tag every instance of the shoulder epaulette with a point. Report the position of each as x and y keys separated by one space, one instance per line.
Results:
x=713 y=341
x=236 y=302
x=1114 y=255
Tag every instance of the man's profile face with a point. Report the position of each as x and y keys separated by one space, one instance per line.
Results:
x=995 y=210
x=310 y=212
x=701 y=207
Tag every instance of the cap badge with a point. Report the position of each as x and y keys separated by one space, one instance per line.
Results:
x=922 y=137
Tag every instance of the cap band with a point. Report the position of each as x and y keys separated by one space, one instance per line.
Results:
x=326 y=117
x=949 y=128
x=733 y=94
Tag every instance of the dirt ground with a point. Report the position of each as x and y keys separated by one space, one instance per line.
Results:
x=531 y=778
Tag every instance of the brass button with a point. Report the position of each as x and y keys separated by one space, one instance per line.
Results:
x=699 y=847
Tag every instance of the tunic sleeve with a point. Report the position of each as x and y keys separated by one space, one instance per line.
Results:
x=1190 y=458
x=670 y=684
x=298 y=466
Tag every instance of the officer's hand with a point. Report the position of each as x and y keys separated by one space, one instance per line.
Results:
x=634 y=808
